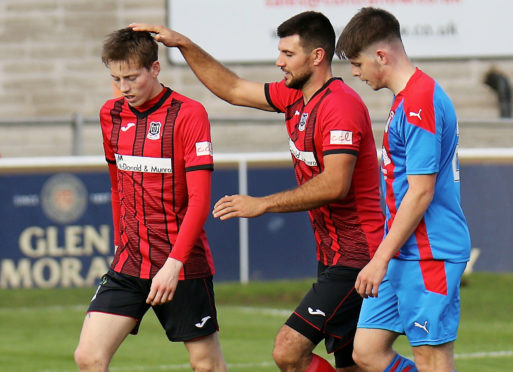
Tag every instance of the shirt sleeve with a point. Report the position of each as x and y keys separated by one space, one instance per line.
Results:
x=199 y=188
x=342 y=126
x=279 y=96
x=198 y=152
x=116 y=208
x=106 y=126
x=421 y=138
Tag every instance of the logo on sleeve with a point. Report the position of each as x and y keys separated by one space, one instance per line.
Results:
x=154 y=131
x=341 y=137
x=204 y=148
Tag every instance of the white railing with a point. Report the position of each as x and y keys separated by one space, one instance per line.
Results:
x=77 y=123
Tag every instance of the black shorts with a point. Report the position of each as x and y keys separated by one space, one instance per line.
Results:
x=330 y=311
x=191 y=313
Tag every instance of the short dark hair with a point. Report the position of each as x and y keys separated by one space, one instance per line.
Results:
x=314 y=30
x=366 y=27
x=130 y=46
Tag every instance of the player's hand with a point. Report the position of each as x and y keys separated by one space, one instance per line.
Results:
x=370 y=277
x=163 y=285
x=162 y=34
x=238 y=206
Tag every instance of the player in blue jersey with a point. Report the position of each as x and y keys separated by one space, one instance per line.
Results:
x=411 y=285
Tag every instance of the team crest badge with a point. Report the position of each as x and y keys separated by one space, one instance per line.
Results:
x=154 y=131
x=302 y=122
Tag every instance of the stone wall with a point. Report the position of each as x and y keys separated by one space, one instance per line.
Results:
x=50 y=67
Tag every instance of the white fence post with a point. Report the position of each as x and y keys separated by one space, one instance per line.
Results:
x=243 y=226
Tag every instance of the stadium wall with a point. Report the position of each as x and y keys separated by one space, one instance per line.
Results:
x=50 y=63
x=56 y=229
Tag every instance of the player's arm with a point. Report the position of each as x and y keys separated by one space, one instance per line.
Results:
x=332 y=184
x=164 y=283
x=220 y=80
x=116 y=208
x=411 y=211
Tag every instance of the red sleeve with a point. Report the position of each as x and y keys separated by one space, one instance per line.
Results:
x=106 y=126
x=113 y=172
x=343 y=123
x=198 y=186
x=279 y=96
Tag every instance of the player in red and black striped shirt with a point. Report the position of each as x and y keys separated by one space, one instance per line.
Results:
x=336 y=167
x=158 y=148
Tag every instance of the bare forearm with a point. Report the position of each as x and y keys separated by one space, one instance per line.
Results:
x=312 y=194
x=408 y=216
x=215 y=76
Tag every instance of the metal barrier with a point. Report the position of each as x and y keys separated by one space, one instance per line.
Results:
x=77 y=122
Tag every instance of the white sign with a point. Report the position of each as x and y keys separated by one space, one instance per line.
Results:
x=245 y=30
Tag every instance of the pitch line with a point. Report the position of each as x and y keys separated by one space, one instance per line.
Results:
x=484 y=354
x=249 y=366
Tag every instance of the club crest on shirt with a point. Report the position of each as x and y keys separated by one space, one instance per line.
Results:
x=154 y=131
x=302 y=121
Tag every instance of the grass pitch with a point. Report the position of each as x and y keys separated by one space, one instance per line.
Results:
x=39 y=329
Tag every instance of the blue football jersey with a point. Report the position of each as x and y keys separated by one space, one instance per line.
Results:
x=421 y=137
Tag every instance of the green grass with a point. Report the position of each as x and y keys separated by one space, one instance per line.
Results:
x=39 y=329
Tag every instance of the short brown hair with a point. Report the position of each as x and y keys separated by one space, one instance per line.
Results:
x=366 y=27
x=314 y=30
x=130 y=46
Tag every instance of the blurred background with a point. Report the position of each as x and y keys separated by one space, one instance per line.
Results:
x=55 y=227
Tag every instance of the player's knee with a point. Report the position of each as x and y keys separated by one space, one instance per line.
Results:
x=216 y=364
x=284 y=357
x=360 y=356
x=291 y=350
x=89 y=361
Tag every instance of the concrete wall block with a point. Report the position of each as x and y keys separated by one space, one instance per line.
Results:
x=88 y=6
x=30 y=6
x=32 y=67
x=28 y=28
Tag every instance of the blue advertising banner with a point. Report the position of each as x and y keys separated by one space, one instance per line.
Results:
x=56 y=230
x=56 y=227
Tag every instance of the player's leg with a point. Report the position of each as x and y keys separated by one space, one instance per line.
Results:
x=114 y=312
x=292 y=351
x=432 y=324
x=378 y=327
x=100 y=338
x=373 y=349
x=206 y=354
x=191 y=317
x=328 y=311
x=435 y=358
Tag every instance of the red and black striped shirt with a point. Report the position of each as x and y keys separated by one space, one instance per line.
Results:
x=153 y=151
x=335 y=120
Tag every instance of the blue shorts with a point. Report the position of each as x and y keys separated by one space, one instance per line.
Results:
x=418 y=298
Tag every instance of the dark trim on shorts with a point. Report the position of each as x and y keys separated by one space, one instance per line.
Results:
x=190 y=315
x=323 y=315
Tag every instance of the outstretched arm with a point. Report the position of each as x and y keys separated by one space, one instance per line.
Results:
x=331 y=185
x=220 y=80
